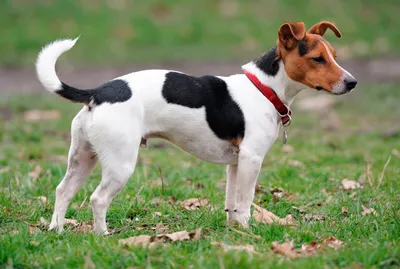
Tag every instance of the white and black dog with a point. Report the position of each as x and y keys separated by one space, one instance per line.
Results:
x=227 y=120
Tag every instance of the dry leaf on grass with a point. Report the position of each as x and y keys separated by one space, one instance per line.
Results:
x=309 y=249
x=296 y=163
x=287 y=148
x=41 y=115
x=334 y=243
x=351 y=184
x=313 y=217
x=157 y=201
x=34 y=243
x=160 y=227
x=264 y=216
x=367 y=211
x=43 y=222
x=34 y=174
x=345 y=210
x=151 y=241
x=226 y=248
x=286 y=249
x=194 y=203
x=72 y=222
x=42 y=199
x=33 y=229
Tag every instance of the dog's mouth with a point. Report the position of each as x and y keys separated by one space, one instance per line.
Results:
x=319 y=88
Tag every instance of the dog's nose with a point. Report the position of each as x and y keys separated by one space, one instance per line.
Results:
x=350 y=83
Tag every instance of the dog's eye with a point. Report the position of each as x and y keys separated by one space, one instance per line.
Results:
x=319 y=59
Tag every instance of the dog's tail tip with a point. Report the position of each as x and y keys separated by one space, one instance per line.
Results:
x=46 y=62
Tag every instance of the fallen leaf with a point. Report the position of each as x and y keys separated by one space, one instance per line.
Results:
x=34 y=174
x=285 y=249
x=171 y=200
x=141 y=240
x=287 y=148
x=84 y=227
x=41 y=115
x=194 y=203
x=334 y=243
x=264 y=216
x=151 y=241
x=367 y=211
x=156 y=201
x=345 y=210
x=72 y=222
x=199 y=186
x=33 y=229
x=160 y=227
x=309 y=249
x=42 y=199
x=226 y=248
x=43 y=222
x=296 y=163
x=351 y=184
x=277 y=192
x=260 y=189
x=301 y=209
x=157 y=214
x=34 y=243
x=313 y=217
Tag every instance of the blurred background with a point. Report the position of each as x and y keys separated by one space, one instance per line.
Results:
x=214 y=36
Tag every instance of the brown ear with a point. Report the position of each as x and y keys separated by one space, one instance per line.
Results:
x=290 y=33
x=321 y=27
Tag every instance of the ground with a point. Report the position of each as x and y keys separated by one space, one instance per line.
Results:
x=343 y=140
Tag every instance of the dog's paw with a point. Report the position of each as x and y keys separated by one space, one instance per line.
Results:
x=238 y=219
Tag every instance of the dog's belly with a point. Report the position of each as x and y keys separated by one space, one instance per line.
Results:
x=211 y=150
x=188 y=129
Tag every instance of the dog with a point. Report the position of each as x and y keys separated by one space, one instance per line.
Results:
x=230 y=120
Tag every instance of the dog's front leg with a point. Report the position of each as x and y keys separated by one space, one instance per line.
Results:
x=230 y=196
x=249 y=166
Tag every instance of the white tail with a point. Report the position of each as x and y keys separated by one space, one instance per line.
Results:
x=46 y=63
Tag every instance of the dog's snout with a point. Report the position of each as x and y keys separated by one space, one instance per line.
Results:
x=350 y=83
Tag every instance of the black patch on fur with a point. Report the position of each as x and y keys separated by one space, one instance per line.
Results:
x=303 y=47
x=223 y=114
x=268 y=62
x=114 y=91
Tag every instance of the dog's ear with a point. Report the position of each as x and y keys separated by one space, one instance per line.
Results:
x=321 y=27
x=290 y=33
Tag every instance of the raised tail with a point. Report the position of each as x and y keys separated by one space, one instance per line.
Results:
x=46 y=72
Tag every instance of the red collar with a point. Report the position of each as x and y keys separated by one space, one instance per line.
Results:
x=282 y=109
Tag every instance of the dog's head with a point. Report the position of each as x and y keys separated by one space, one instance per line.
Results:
x=310 y=59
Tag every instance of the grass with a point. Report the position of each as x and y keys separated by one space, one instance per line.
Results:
x=328 y=156
x=157 y=31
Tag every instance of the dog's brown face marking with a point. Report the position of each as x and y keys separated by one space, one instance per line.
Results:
x=308 y=57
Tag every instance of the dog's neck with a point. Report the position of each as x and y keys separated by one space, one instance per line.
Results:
x=271 y=72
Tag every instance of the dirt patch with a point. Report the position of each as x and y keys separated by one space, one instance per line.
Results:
x=25 y=81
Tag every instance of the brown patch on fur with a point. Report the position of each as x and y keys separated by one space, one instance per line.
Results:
x=304 y=69
x=236 y=141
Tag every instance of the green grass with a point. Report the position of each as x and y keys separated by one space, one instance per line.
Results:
x=372 y=241
x=147 y=31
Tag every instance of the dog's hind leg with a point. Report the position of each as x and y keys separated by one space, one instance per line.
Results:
x=117 y=143
x=81 y=161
